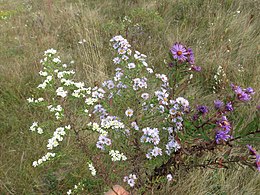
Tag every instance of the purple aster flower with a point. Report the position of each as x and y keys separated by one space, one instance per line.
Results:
x=242 y=95
x=222 y=135
x=249 y=90
x=229 y=106
x=196 y=68
x=224 y=124
x=202 y=109
x=191 y=59
x=179 y=52
x=251 y=149
x=218 y=104
x=258 y=107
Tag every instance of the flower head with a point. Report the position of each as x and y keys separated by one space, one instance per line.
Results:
x=169 y=177
x=191 y=59
x=179 y=52
x=202 y=109
x=229 y=106
x=129 y=112
x=218 y=104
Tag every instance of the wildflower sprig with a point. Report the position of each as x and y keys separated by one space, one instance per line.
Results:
x=138 y=120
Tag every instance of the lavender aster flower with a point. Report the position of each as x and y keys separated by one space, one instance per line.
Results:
x=249 y=90
x=218 y=104
x=222 y=135
x=191 y=59
x=242 y=95
x=224 y=124
x=179 y=52
x=202 y=109
x=196 y=68
x=229 y=106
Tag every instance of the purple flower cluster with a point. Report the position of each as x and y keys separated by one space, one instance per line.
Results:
x=223 y=131
x=181 y=53
x=202 y=109
x=218 y=104
x=102 y=141
x=229 y=107
x=243 y=94
x=257 y=156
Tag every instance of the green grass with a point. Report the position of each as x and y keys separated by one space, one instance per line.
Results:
x=31 y=27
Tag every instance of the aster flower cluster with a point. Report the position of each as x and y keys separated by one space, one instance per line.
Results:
x=57 y=109
x=92 y=169
x=32 y=100
x=130 y=179
x=102 y=142
x=57 y=137
x=117 y=156
x=172 y=145
x=181 y=53
x=242 y=94
x=45 y=158
x=130 y=93
x=36 y=128
x=139 y=83
x=223 y=130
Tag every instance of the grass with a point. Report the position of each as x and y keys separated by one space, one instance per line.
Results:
x=222 y=32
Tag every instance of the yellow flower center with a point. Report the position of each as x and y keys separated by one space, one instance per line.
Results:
x=179 y=53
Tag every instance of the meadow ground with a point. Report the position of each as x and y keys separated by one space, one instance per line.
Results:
x=222 y=33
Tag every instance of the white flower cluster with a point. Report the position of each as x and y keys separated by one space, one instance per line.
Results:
x=156 y=151
x=172 y=144
x=135 y=126
x=141 y=58
x=57 y=137
x=111 y=122
x=46 y=82
x=130 y=179
x=61 y=92
x=151 y=135
x=32 y=100
x=58 y=110
x=139 y=83
x=79 y=186
x=81 y=91
x=116 y=156
x=96 y=127
x=123 y=48
x=43 y=159
x=61 y=74
x=177 y=110
x=162 y=97
x=182 y=101
x=50 y=52
x=98 y=93
x=36 y=128
x=92 y=169
x=219 y=79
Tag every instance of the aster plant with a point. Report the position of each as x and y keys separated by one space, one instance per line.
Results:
x=138 y=121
